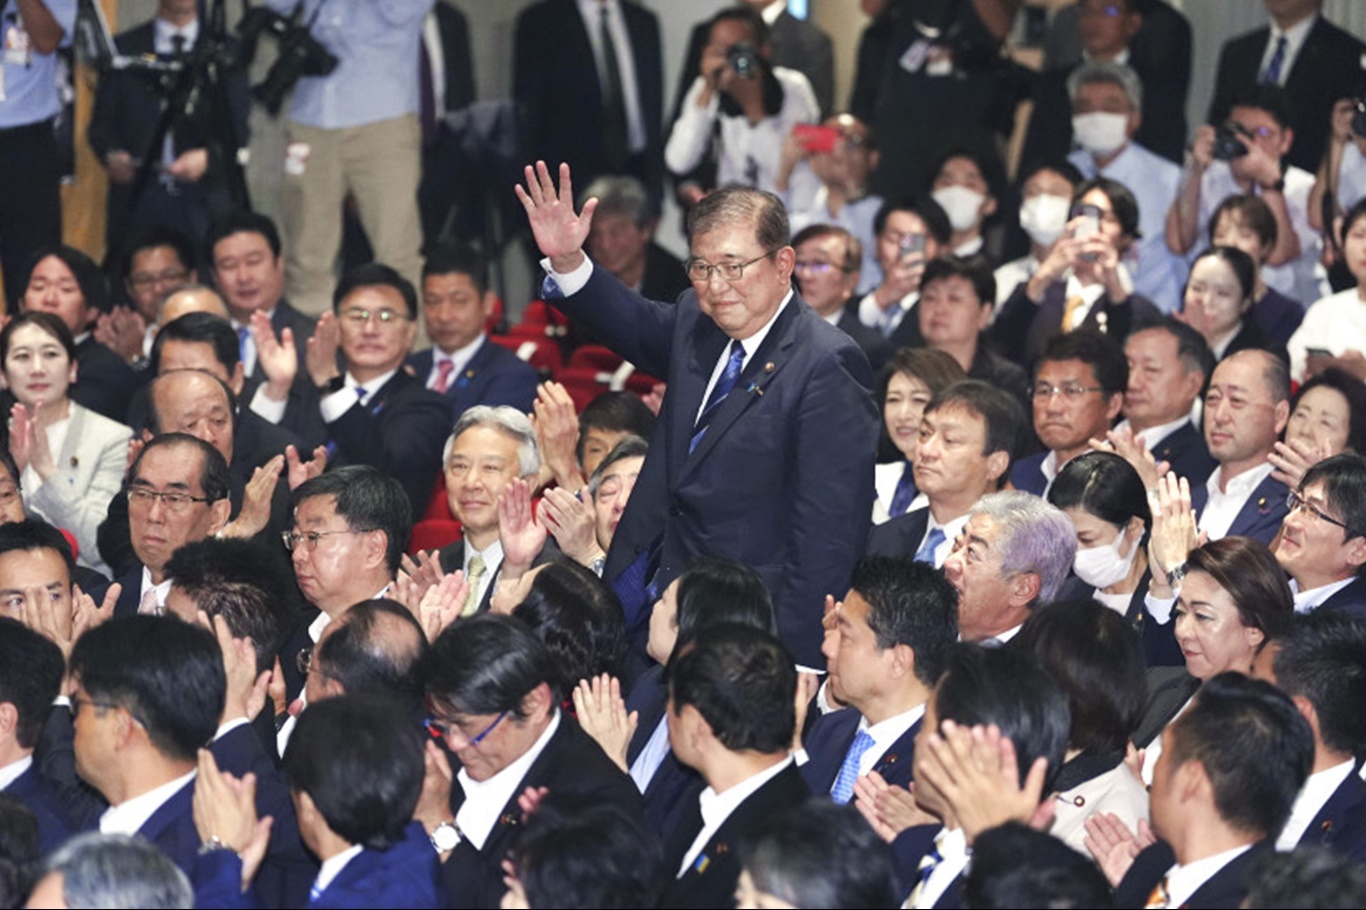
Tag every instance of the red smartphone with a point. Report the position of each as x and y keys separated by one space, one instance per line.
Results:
x=817 y=138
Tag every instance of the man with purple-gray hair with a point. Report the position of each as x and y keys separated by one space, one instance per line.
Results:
x=1014 y=552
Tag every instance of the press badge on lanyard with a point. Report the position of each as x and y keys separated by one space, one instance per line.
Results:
x=18 y=47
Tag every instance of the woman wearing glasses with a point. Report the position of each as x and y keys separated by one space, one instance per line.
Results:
x=71 y=460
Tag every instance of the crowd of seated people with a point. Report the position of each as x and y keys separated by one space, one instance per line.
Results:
x=946 y=529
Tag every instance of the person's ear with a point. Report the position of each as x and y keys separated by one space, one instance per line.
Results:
x=219 y=511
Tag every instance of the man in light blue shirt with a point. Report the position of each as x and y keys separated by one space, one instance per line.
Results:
x=354 y=130
x=30 y=206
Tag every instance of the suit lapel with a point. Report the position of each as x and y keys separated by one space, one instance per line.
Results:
x=766 y=363
x=702 y=356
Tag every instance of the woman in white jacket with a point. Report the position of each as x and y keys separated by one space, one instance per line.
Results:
x=71 y=460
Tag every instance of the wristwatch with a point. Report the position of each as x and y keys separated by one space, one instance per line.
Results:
x=445 y=837
x=335 y=384
x=1177 y=573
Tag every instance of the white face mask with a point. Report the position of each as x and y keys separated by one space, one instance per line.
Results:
x=1104 y=566
x=1044 y=217
x=961 y=204
x=1100 y=133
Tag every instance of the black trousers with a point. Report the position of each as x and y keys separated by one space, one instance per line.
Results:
x=30 y=200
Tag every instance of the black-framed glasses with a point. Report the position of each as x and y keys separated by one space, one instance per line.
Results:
x=173 y=500
x=1071 y=391
x=1295 y=502
x=310 y=538
x=444 y=728
x=700 y=272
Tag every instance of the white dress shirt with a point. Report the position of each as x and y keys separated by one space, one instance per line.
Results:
x=1183 y=881
x=591 y=11
x=952 y=528
x=953 y=850
x=334 y=405
x=1308 y=601
x=130 y=815
x=460 y=359
x=717 y=807
x=14 y=770
x=1310 y=801
x=485 y=800
x=884 y=734
x=1223 y=507
x=1294 y=40
x=1336 y=323
x=333 y=866
x=873 y=316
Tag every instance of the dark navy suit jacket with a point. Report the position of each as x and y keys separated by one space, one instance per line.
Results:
x=494 y=376
x=33 y=792
x=782 y=480
x=1351 y=598
x=674 y=787
x=407 y=874
x=104 y=383
x=1226 y=888
x=1185 y=451
x=1260 y=517
x=710 y=880
x=571 y=764
x=899 y=536
x=1022 y=327
x=1341 y=823
x=399 y=430
x=1027 y=474
x=828 y=740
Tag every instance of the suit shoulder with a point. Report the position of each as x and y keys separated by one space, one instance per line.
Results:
x=1335 y=37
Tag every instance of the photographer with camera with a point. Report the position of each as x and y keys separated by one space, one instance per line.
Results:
x=1246 y=155
x=756 y=105
x=353 y=128
x=190 y=185
x=1341 y=178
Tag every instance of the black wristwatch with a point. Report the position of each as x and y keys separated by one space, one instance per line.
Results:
x=335 y=384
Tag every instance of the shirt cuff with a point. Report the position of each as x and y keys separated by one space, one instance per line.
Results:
x=568 y=283
x=264 y=407
x=336 y=404
x=1159 y=608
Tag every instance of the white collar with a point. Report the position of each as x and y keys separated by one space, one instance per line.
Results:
x=460 y=356
x=147 y=585
x=1295 y=35
x=316 y=627
x=1183 y=881
x=717 y=807
x=773 y=11
x=129 y=816
x=1315 y=793
x=333 y=865
x=15 y=770
x=270 y=314
x=751 y=344
x=888 y=731
x=1305 y=601
x=1240 y=485
x=484 y=800
x=164 y=32
x=371 y=386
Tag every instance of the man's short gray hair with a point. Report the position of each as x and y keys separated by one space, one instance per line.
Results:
x=1098 y=72
x=1032 y=536
x=118 y=871
x=508 y=421
x=621 y=195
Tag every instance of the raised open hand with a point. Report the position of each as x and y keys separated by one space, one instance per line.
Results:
x=559 y=232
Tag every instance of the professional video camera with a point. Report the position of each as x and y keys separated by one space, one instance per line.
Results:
x=300 y=53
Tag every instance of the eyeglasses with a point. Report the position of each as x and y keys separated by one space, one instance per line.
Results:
x=8 y=494
x=360 y=315
x=144 y=280
x=819 y=268
x=1295 y=502
x=174 y=500
x=700 y=272
x=293 y=538
x=444 y=728
x=1042 y=391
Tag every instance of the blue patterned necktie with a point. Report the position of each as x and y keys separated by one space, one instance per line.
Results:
x=932 y=542
x=905 y=492
x=729 y=377
x=843 y=790
x=1272 y=76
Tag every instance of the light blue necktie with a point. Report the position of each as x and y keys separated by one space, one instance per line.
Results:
x=843 y=790
x=931 y=544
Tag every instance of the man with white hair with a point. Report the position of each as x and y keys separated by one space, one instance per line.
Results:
x=488 y=449
x=1014 y=552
